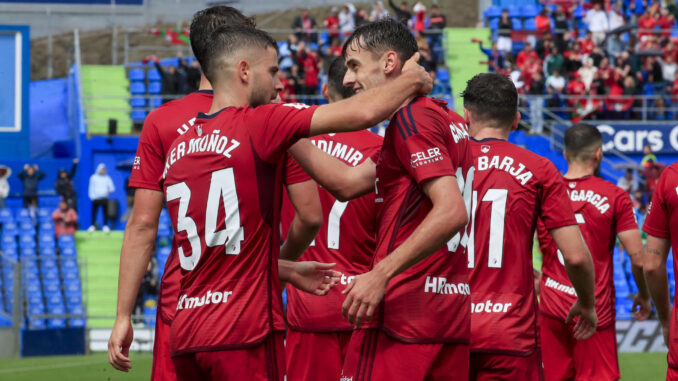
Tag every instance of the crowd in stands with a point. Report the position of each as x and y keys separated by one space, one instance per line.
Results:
x=592 y=60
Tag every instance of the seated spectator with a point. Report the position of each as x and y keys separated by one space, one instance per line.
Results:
x=649 y=158
x=556 y=82
x=100 y=187
x=425 y=59
x=543 y=22
x=596 y=19
x=148 y=287
x=615 y=16
x=64 y=185
x=554 y=61
x=419 y=23
x=361 y=17
x=670 y=51
x=562 y=25
x=65 y=220
x=402 y=13
x=536 y=100
x=31 y=176
x=607 y=73
x=303 y=26
x=347 y=19
x=544 y=46
x=5 y=173
x=669 y=68
x=170 y=81
x=332 y=23
x=628 y=182
x=645 y=25
x=587 y=44
x=523 y=57
x=193 y=74
x=379 y=12
x=587 y=73
x=573 y=58
x=504 y=41
x=665 y=21
x=436 y=23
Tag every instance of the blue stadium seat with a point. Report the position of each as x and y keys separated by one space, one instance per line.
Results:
x=494 y=24
x=26 y=228
x=46 y=240
x=516 y=23
x=164 y=229
x=33 y=287
x=56 y=323
x=27 y=241
x=36 y=308
x=137 y=88
x=76 y=322
x=70 y=274
x=51 y=287
x=154 y=75
x=530 y=25
x=67 y=251
x=8 y=240
x=138 y=115
x=172 y=61
x=10 y=228
x=6 y=216
x=23 y=214
x=514 y=11
x=30 y=274
x=492 y=12
x=50 y=274
x=44 y=214
x=528 y=11
x=69 y=264
x=72 y=287
x=54 y=299
x=35 y=323
x=156 y=102
x=48 y=263
x=137 y=102
x=578 y=12
x=46 y=225
x=136 y=75
x=154 y=87
x=47 y=252
x=65 y=238
x=443 y=74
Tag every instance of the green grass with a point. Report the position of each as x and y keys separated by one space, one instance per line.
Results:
x=74 y=368
x=634 y=366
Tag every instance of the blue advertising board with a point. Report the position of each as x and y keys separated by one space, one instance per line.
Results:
x=15 y=74
x=630 y=138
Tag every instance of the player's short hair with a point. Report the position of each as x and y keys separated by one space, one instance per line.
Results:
x=335 y=79
x=206 y=21
x=492 y=98
x=581 y=142
x=228 y=39
x=381 y=36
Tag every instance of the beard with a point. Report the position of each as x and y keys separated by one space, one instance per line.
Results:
x=261 y=95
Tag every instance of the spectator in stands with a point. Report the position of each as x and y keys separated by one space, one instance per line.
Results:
x=524 y=56
x=649 y=157
x=379 y=12
x=308 y=63
x=100 y=187
x=536 y=100
x=65 y=220
x=436 y=23
x=332 y=23
x=347 y=20
x=504 y=41
x=555 y=83
x=587 y=44
x=615 y=17
x=554 y=61
x=543 y=22
x=562 y=25
x=402 y=13
x=425 y=59
x=651 y=179
x=596 y=19
x=628 y=182
x=64 y=185
x=419 y=23
x=129 y=195
x=573 y=58
x=361 y=17
x=669 y=68
x=170 y=81
x=587 y=73
x=5 y=172
x=302 y=25
x=149 y=287
x=31 y=176
x=193 y=74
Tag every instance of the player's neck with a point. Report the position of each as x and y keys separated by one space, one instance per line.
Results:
x=481 y=133
x=222 y=99
x=578 y=170
x=204 y=83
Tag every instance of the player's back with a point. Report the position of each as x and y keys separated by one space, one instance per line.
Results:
x=162 y=126
x=346 y=237
x=602 y=210
x=511 y=188
x=223 y=185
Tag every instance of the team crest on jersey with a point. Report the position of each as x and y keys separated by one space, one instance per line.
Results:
x=485 y=149
x=573 y=184
x=198 y=129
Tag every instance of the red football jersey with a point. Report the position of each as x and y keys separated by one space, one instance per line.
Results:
x=512 y=187
x=161 y=127
x=662 y=222
x=428 y=302
x=347 y=237
x=602 y=210
x=223 y=186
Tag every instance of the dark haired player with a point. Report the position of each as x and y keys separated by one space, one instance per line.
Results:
x=661 y=225
x=222 y=182
x=604 y=213
x=161 y=127
x=513 y=187
x=417 y=289
x=317 y=335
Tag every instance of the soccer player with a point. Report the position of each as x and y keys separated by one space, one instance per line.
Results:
x=418 y=287
x=512 y=187
x=661 y=225
x=222 y=182
x=161 y=127
x=604 y=213
x=317 y=335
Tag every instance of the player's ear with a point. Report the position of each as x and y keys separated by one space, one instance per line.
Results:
x=391 y=63
x=598 y=154
x=325 y=91
x=467 y=117
x=244 y=72
x=514 y=126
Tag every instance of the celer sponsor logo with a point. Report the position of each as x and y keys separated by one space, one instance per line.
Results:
x=591 y=197
x=550 y=283
x=505 y=164
x=345 y=280
x=429 y=156
x=489 y=307
x=439 y=285
x=187 y=302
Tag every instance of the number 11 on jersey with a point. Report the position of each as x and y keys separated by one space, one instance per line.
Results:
x=498 y=198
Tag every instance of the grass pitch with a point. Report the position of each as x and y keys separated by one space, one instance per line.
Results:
x=634 y=366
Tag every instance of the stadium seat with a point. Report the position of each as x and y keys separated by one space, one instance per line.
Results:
x=156 y=102
x=65 y=238
x=10 y=228
x=46 y=240
x=27 y=241
x=137 y=115
x=44 y=214
x=36 y=308
x=54 y=299
x=33 y=287
x=137 y=88
x=529 y=11
x=76 y=322
x=492 y=12
x=136 y=75
x=514 y=11
x=51 y=287
x=56 y=323
x=35 y=323
x=72 y=287
x=26 y=228
x=530 y=25
x=172 y=61
x=6 y=216
x=47 y=252
x=70 y=273
x=154 y=87
x=8 y=241
x=50 y=274
x=443 y=74
x=516 y=23
x=67 y=251
x=48 y=263
x=30 y=274
x=137 y=102
x=68 y=264
x=23 y=214
x=494 y=24
x=154 y=75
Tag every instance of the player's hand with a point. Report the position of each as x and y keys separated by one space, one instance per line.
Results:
x=537 y=281
x=586 y=325
x=644 y=308
x=314 y=277
x=424 y=80
x=119 y=343
x=364 y=294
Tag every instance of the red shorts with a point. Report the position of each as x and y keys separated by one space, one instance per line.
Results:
x=671 y=374
x=315 y=355
x=264 y=362
x=485 y=366
x=373 y=355
x=163 y=367
x=567 y=358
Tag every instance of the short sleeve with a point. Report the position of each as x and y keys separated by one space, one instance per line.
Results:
x=150 y=160
x=657 y=220
x=556 y=209
x=624 y=215
x=283 y=126
x=422 y=145
x=294 y=174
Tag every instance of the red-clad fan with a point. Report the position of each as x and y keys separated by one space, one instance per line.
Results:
x=416 y=297
x=317 y=334
x=223 y=185
x=604 y=213
x=661 y=225
x=512 y=187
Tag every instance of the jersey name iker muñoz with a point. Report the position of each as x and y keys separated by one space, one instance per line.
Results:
x=512 y=187
x=223 y=186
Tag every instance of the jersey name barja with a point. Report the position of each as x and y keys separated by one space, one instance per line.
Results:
x=505 y=164
x=211 y=143
x=339 y=150
x=591 y=197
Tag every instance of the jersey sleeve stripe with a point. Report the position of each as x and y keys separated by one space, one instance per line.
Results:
x=409 y=113
x=400 y=128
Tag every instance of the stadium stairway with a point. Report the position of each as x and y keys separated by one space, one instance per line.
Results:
x=464 y=57
x=101 y=254
x=106 y=96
